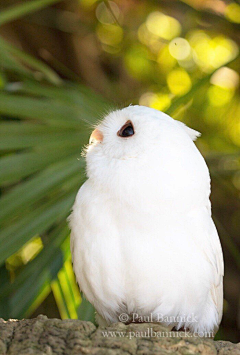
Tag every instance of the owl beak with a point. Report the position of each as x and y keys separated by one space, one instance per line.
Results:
x=96 y=136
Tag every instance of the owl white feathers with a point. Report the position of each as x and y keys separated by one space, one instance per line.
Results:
x=142 y=237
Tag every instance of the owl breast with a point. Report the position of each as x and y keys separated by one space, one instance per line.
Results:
x=139 y=262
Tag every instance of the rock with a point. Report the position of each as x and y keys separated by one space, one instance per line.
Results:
x=43 y=336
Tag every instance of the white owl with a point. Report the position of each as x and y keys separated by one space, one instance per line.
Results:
x=143 y=240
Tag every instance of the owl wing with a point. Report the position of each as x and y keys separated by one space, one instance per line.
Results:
x=77 y=222
x=206 y=237
x=217 y=262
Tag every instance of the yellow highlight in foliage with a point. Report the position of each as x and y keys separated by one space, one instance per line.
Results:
x=110 y=34
x=211 y=53
x=158 y=101
x=137 y=62
x=25 y=254
x=87 y=3
x=165 y=59
x=179 y=82
x=179 y=48
x=219 y=96
x=163 y=26
x=234 y=128
x=232 y=12
x=66 y=292
x=42 y=295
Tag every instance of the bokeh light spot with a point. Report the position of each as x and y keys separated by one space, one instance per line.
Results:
x=165 y=60
x=232 y=12
x=149 y=39
x=234 y=130
x=219 y=96
x=179 y=48
x=137 y=62
x=159 y=101
x=225 y=78
x=143 y=34
x=110 y=34
x=163 y=26
x=211 y=53
x=87 y=3
x=104 y=15
x=179 y=82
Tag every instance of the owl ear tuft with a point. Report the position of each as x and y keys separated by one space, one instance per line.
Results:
x=191 y=132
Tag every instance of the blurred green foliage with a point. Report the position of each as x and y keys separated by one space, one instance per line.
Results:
x=181 y=57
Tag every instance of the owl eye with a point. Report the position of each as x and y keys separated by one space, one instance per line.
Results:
x=127 y=130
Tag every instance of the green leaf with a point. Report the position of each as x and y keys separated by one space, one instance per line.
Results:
x=44 y=268
x=86 y=311
x=13 y=141
x=46 y=110
x=7 y=61
x=31 y=191
x=18 y=166
x=60 y=299
x=43 y=260
x=82 y=99
x=73 y=288
x=37 y=221
x=63 y=288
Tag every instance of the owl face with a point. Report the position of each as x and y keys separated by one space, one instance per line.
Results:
x=134 y=131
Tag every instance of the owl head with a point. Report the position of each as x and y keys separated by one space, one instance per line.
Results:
x=140 y=150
